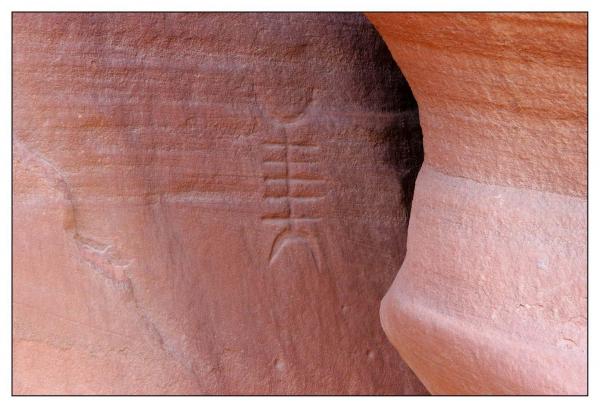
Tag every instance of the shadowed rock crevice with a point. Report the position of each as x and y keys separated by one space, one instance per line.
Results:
x=401 y=137
x=403 y=141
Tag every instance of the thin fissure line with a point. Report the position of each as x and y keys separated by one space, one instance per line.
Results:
x=289 y=219
x=286 y=144
x=290 y=162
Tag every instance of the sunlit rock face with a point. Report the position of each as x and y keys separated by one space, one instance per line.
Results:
x=208 y=204
x=492 y=296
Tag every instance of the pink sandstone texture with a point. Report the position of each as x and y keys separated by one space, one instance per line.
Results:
x=217 y=203
x=492 y=295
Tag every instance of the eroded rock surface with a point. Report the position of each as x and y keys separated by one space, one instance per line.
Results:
x=492 y=296
x=207 y=203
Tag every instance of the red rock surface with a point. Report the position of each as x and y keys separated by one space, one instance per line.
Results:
x=492 y=296
x=207 y=203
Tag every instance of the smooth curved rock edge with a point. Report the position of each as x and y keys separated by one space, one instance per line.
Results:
x=492 y=295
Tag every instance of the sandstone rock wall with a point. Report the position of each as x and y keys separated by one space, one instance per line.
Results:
x=492 y=296
x=207 y=203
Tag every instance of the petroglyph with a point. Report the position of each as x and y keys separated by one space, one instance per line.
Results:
x=288 y=238
x=294 y=187
x=104 y=259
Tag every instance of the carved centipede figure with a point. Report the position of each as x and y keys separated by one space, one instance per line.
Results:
x=294 y=187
